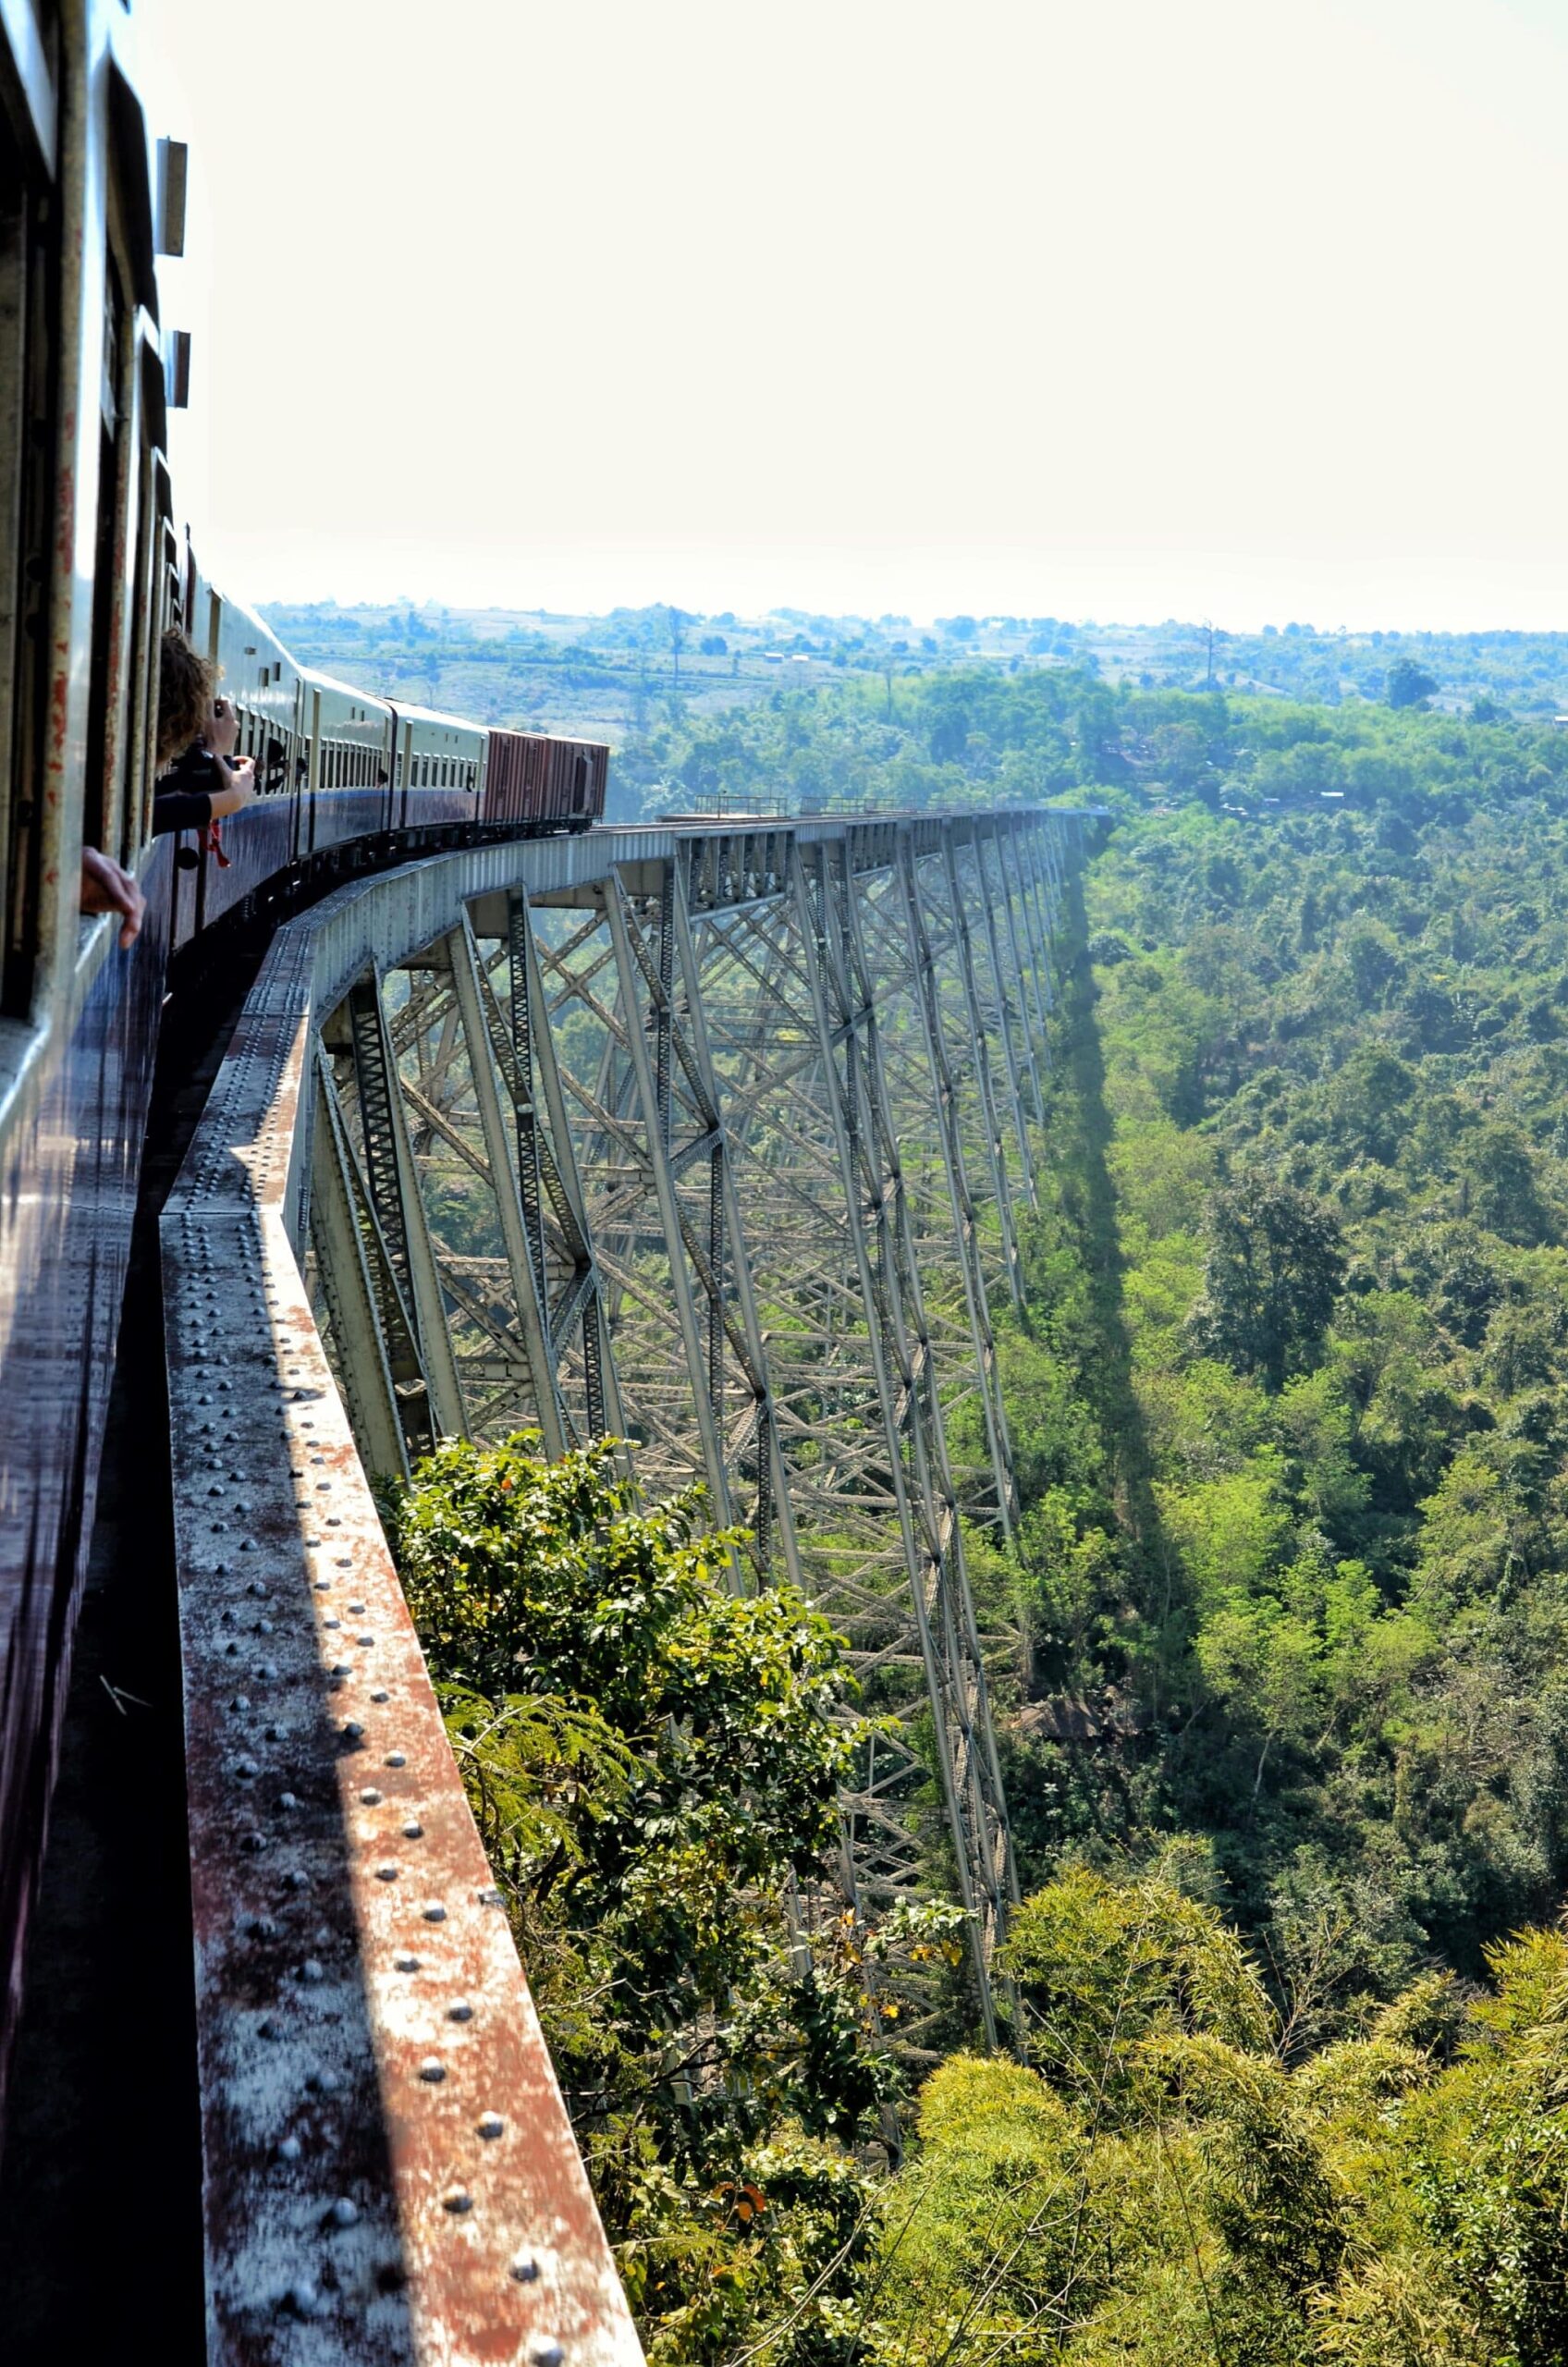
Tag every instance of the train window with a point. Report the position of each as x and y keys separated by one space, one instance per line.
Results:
x=27 y=331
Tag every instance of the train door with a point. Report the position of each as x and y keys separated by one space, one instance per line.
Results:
x=312 y=775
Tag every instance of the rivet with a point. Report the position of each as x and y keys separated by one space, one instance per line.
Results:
x=268 y=2027
x=268 y=1671
x=322 y=1585
x=352 y=1730
x=289 y=2148
x=396 y=1759
x=491 y=1897
x=341 y=1668
x=386 y=1874
x=356 y=1609
x=525 y=2268
x=303 y=2300
x=407 y=1964
x=370 y=1798
x=546 y=2352
x=381 y=1694
x=457 y=2200
x=245 y=1768
x=312 y=1969
x=240 y=1702
x=363 y=1640
x=459 y=2010
x=345 y=2213
x=332 y=1623
x=297 y=1879
x=326 y=2083
x=435 y=1912
x=286 y=1800
x=433 y=2069
x=413 y=1830
x=491 y=2125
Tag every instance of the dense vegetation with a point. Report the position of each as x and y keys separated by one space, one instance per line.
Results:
x=1291 y=1411
x=654 y=1763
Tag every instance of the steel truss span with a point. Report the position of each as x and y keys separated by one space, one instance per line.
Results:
x=710 y=1138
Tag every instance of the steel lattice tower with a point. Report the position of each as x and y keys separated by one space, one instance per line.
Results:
x=719 y=1145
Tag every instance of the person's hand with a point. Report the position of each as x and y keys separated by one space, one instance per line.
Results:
x=106 y=889
x=222 y=734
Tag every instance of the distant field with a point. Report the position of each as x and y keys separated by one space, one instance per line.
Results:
x=610 y=675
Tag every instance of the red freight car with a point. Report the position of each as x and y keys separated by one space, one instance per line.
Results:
x=528 y=778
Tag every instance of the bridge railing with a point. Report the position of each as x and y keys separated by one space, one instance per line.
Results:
x=389 y=2170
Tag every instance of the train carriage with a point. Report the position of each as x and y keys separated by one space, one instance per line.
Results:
x=345 y=788
x=92 y=574
x=533 y=778
x=258 y=676
x=438 y=767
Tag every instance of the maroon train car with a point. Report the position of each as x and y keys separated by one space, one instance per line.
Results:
x=528 y=778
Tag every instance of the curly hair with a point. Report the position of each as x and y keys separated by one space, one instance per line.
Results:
x=185 y=683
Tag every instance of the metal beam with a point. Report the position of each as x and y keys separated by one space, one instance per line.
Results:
x=527 y=1277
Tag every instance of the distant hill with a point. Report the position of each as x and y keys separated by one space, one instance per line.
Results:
x=601 y=674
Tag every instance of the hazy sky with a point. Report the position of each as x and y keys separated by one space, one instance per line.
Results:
x=1118 y=308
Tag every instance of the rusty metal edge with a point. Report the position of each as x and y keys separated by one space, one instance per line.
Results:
x=389 y=2172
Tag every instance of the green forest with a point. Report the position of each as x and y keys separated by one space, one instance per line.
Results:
x=1290 y=1408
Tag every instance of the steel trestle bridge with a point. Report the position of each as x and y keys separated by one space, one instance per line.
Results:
x=713 y=1136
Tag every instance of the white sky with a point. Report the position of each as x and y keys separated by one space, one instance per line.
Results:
x=1117 y=308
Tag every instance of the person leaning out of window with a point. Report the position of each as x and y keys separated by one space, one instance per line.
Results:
x=199 y=779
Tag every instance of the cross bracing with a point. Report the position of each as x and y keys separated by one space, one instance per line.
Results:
x=718 y=1144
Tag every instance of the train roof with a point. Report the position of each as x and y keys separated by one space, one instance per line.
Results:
x=411 y=714
x=565 y=738
x=320 y=682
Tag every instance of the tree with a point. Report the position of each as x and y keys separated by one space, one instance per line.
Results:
x=1407 y=684
x=1274 y=1268
x=654 y=1761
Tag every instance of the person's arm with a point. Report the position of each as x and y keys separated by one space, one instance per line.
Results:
x=106 y=889
x=240 y=789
